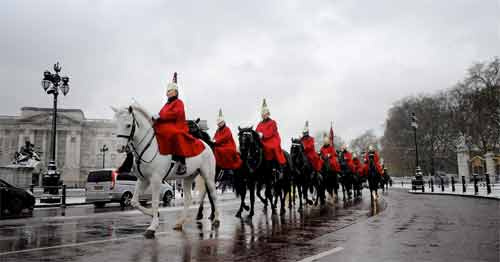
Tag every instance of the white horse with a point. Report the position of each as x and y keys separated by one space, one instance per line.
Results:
x=134 y=124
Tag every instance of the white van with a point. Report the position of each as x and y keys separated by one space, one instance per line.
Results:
x=106 y=185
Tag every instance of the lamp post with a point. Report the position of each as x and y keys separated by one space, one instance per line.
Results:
x=51 y=84
x=414 y=125
x=103 y=150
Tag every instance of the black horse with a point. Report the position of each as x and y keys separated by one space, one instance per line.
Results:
x=346 y=177
x=373 y=176
x=302 y=172
x=247 y=176
x=330 y=177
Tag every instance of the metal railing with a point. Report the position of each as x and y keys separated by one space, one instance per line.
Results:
x=439 y=185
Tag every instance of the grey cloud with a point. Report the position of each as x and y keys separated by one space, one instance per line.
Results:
x=345 y=61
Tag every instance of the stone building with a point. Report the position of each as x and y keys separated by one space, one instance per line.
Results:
x=77 y=145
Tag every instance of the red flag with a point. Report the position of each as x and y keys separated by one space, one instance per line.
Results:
x=331 y=132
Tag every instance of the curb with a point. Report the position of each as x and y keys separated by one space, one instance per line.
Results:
x=451 y=194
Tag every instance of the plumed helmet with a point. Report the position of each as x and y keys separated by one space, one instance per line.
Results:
x=326 y=139
x=220 y=117
x=264 y=110
x=306 y=128
x=173 y=84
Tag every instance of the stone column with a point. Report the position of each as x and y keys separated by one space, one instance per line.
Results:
x=490 y=165
x=463 y=162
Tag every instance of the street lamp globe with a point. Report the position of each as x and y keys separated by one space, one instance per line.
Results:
x=46 y=84
x=65 y=89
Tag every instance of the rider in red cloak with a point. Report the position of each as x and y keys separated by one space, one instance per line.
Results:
x=327 y=151
x=376 y=159
x=270 y=138
x=172 y=131
x=308 y=143
x=226 y=155
x=347 y=158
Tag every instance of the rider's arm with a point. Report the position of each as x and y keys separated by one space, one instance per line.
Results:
x=173 y=114
x=270 y=132
x=223 y=138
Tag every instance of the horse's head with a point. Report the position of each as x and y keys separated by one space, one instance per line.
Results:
x=297 y=148
x=247 y=138
x=125 y=125
x=129 y=121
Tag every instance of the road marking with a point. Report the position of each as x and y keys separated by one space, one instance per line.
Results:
x=322 y=254
x=78 y=244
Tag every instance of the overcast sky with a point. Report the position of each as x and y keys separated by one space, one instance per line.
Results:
x=342 y=61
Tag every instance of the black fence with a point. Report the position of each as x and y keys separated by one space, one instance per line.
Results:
x=438 y=184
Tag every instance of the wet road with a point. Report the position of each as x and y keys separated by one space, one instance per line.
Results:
x=408 y=228
x=113 y=236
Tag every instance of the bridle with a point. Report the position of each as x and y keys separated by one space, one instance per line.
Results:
x=131 y=146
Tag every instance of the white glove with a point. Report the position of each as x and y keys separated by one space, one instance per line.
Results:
x=328 y=155
x=155 y=117
x=260 y=135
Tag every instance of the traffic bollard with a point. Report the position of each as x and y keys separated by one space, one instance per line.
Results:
x=442 y=184
x=432 y=185
x=488 y=185
x=452 y=184
x=63 y=198
x=464 y=188
x=476 y=188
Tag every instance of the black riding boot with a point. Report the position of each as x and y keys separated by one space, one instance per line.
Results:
x=181 y=164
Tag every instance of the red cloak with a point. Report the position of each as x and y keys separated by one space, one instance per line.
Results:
x=358 y=166
x=271 y=141
x=226 y=155
x=348 y=160
x=377 y=164
x=330 y=153
x=172 y=132
x=314 y=159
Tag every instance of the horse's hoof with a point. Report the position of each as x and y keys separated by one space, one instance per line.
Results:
x=274 y=213
x=282 y=212
x=246 y=207
x=149 y=234
x=216 y=223
x=199 y=216
x=300 y=210
x=211 y=217
x=178 y=227
x=238 y=215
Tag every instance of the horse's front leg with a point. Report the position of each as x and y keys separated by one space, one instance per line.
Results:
x=140 y=187
x=186 y=185
x=155 y=203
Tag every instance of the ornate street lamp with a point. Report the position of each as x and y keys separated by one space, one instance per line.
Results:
x=51 y=84
x=419 y=179
x=103 y=150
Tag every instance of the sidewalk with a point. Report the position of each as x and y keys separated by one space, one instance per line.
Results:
x=482 y=191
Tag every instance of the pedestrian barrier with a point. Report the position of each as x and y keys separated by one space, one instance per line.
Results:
x=476 y=188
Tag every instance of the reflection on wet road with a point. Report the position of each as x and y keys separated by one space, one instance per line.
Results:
x=117 y=236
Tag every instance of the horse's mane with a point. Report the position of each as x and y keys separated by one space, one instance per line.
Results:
x=141 y=110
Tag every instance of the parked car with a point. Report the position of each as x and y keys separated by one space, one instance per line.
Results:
x=106 y=185
x=15 y=201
